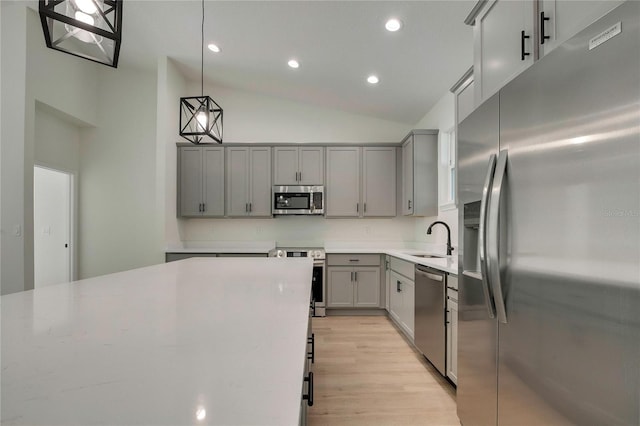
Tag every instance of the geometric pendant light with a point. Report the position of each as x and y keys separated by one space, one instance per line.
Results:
x=90 y=29
x=200 y=116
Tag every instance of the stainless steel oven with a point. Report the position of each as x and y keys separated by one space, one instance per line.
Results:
x=298 y=200
x=318 y=284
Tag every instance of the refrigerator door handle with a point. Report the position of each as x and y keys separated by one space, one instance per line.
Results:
x=482 y=237
x=494 y=237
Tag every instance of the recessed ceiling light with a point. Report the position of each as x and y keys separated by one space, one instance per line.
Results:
x=214 y=48
x=373 y=79
x=393 y=25
x=293 y=63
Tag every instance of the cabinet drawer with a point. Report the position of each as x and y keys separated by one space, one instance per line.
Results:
x=452 y=295
x=403 y=267
x=353 y=260
x=452 y=281
x=452 y=304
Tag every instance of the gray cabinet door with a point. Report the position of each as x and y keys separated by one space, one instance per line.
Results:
x=395 y=296
x=408 y=306
x=367 y=287
x=379 y=181
x=311 y=160
x=339 y=287
x=237 y=173
x=407 y=177
x=497 y=44
x=260 y=180
x=342 y=191
x=285 y=164
x=567 y=18
x=190 y=184
x=213 y=181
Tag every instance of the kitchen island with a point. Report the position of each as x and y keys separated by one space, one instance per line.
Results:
x=198 y=341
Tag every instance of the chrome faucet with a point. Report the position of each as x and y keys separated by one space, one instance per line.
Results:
x=449 y=248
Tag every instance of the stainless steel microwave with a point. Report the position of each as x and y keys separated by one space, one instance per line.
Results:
x=290 y=200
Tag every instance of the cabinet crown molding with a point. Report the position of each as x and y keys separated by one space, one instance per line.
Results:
x=471 y=18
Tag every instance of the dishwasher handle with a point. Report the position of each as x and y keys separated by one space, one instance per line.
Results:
x=430 y=273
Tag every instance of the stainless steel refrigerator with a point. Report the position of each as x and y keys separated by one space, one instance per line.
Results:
x=549 y=193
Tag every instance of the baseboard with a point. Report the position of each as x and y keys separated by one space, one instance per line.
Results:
x=356 y=312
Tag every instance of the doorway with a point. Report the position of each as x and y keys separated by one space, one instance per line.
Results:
x=52 y=226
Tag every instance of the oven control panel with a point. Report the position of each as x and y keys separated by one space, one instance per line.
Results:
x=315 y=254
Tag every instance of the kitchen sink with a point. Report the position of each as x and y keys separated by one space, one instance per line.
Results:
x=427 y=256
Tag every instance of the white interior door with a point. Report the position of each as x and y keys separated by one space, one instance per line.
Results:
x=52 y=226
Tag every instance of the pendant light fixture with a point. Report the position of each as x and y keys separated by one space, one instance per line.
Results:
x=90 y=29
x=200 y=116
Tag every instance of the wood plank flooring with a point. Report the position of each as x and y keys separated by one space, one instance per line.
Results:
x=366 y=373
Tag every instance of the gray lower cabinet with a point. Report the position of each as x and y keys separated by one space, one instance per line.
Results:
x=452 y=328
x=200 y=182
x=353 y=281
x=420 y=173
x=173 y=256
x=248 y=176
x=361 y=182
x=402 y=294
x=402 y=303
x=353 y=287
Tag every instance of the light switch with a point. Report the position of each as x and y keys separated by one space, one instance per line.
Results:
x=17 y=231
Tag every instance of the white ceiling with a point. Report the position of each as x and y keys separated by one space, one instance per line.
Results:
x=338 y=44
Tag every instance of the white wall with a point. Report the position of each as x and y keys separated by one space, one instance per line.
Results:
x=13 y=86
x=57 y=140
x=118 y=228
x=171 y=86
x=251 y=117
x=442 y=117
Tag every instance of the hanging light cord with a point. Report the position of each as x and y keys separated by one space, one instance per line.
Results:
x=202 y=54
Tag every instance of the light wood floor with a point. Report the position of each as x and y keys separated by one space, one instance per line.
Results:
x=365 y=373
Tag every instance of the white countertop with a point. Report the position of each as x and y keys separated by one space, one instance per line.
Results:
x=447 y=264
x=155 y=345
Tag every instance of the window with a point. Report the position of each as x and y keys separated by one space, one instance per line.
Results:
x=448 y=169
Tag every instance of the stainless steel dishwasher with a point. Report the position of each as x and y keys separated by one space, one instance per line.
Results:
x=430 y=315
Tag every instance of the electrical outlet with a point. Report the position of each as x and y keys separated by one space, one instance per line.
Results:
x=17 y=231
x=367 y=230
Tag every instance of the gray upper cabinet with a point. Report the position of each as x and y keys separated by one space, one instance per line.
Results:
x=361 y=182
x=379 y=181
x=200 y=181
x=298 y=165
x=342 y=191
x=248 y=175
x=463 y=91
x=503 y=44
x=563 y=19
x=510 y=35
x=420 y=173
